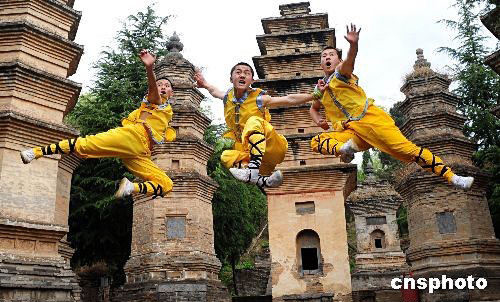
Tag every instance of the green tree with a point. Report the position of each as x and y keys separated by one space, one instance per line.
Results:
x=100 y=226
x=238 y=208
x=479 y=90
x=478 y=85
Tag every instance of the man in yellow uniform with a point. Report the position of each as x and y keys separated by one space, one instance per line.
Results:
x=132 y=143
x=358 y=124
x=257 y=145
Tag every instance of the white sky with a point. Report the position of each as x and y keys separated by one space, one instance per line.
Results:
x=217 y=34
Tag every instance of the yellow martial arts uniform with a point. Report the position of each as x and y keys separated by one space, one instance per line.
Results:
x=354 y=116
x=249 y=126
x=131 y=143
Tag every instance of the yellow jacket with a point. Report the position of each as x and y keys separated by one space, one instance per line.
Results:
x=238 y=111
x=343 y=99
x=156 y=123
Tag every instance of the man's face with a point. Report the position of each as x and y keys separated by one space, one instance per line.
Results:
x=329 y=60
x=164 y=88
x=242 y=77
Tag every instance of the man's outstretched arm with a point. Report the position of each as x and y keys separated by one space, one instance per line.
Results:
x=202 y=83
x=148 y=60
x=316 y=115
x=347 y=66
x=287 y=100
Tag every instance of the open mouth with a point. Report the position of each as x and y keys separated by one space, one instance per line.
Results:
x=242 y=82
x=163 y=92
x=328 y=64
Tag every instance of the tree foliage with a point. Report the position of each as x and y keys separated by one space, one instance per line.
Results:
x=478 y=85
x=100 y=226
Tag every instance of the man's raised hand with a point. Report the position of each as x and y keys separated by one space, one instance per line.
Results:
x=352 y=35
x=199 y=79
x=147 y=58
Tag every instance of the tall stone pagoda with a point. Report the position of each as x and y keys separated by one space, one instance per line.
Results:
x=492 y=23
x=172 y=255
x=307 y=227
x=451 y=232
x=379 y=257
x=37 y=54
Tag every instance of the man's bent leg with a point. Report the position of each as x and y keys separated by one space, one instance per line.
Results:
x=276 y=148
x=255 y=135
x=332 y=143
x=235 y=158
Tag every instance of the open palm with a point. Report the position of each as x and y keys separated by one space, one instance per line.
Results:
x=147 y=58
x=352 y=35
x=199 y=79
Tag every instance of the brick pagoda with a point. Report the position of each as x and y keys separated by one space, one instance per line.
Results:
x=451 y=231
x=173 y=256
x=307 y=228
x=379 y=257
x=37 y=54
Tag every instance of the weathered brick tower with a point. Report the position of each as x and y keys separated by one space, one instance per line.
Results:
x=307 y=229
x=173 y=257
x=451 y=231
x=492 y=23
x=490 y=20
x=379 y=257
x=37 y=54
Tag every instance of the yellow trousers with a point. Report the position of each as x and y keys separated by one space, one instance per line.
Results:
x=273 y=148
x=377 y=129
x=130 y=144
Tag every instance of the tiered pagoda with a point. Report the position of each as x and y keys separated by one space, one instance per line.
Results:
x=451 y=231
x=172 y=255
x=307 y=228
x=37 y=55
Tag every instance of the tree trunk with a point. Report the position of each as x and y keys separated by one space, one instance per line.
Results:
x=233 y=268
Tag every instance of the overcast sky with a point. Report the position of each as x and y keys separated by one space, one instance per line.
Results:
x=217 y=34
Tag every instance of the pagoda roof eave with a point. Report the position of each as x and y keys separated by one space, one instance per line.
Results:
x=266 y=21
x=285 y=79
x=436 y=76
x=306 y=31
x=298 y=54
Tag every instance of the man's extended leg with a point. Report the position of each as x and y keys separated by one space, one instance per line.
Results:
x=154 y=180
x=378 y=129
x=128 y=143
x=120 y=142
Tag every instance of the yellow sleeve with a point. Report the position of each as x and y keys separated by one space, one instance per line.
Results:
x=170 y=134
x=338 y=126
x=229 y=134
x=132 y=117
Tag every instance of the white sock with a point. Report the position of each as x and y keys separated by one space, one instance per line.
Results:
x=462 y=182
x=129 y=189
x=349 y=147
